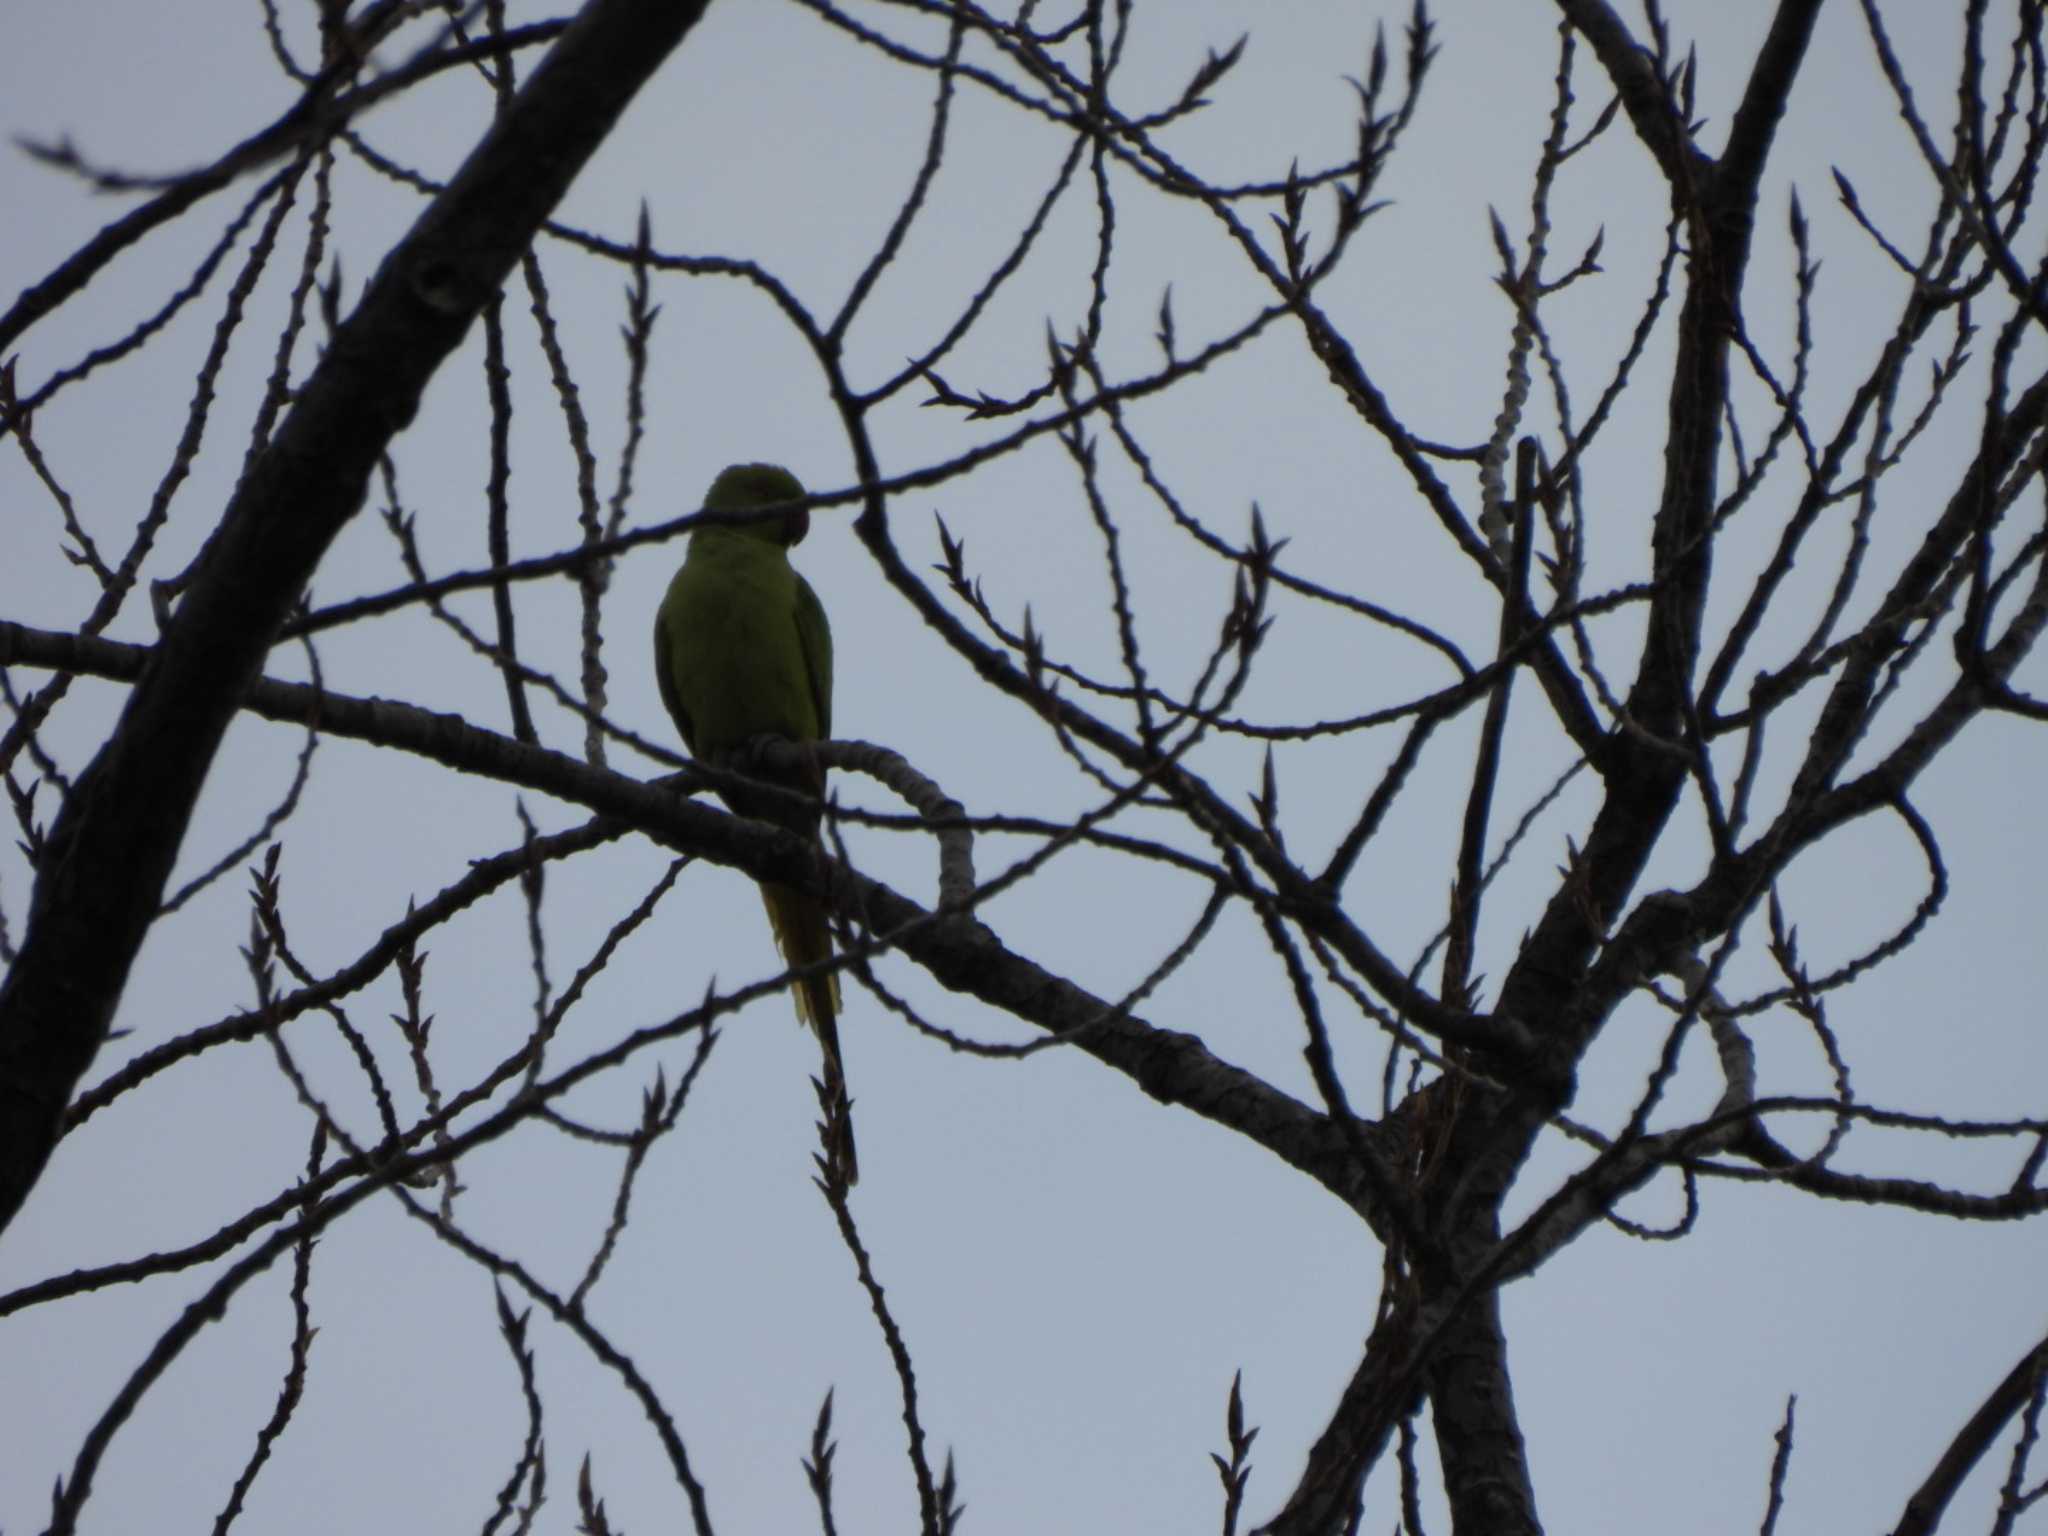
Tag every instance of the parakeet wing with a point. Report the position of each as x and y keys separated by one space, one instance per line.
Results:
x=664 y=678
x=814 y=634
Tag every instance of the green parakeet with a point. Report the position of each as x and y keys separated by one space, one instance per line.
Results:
x=742 y=650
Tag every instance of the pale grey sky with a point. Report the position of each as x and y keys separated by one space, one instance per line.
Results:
x=1077 y=1270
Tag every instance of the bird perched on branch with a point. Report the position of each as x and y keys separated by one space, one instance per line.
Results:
x=742 y=651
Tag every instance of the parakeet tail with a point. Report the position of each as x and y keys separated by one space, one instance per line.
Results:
x=804 y=936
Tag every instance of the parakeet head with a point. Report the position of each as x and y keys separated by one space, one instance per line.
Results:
x=744 y=487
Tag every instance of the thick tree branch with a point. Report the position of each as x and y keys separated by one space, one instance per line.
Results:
x=102 y=875
x=1378 y=1396
x=1924 y=1509
x=1478 y=1433
x=1648 y=767
x=1756 y=123
x=1643 y=96
x=961 y=953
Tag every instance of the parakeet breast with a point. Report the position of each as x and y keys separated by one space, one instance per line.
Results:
x=735 y=657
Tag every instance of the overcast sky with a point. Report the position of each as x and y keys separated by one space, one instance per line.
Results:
x=1077 y=1270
